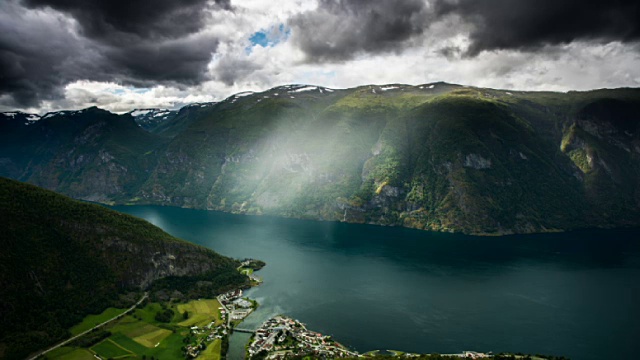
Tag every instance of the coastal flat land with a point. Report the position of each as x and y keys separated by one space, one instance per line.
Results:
x=212 y=352
x=201 y=312
x=110 y=350
x=140 y=334
x=152 y=338
x=93 y=320
x=70 y=353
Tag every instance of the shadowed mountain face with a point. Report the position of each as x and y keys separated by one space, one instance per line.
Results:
x=62 y=259
x=436 y=156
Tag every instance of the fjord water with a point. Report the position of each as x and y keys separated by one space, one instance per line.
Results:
x=575 y=294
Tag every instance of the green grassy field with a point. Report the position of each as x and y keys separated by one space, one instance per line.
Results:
x=246 y=271
x=153 y=338
x=128 y=343
x=142 y=335
x=148 y=312
x=69 y=353
x=168 y=349
x=108 y=349
x=201 y=312
x=93 y=320
x=140 y=328
x=212 y=352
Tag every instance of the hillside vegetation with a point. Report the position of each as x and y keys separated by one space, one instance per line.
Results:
x=436 y=156
x=63 y=259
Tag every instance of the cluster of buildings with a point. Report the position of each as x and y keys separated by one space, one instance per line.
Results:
x=234 y=307
x=468 y=355
x=282 y=337
x=473 y=355
x=203 y=336
x=230 y=296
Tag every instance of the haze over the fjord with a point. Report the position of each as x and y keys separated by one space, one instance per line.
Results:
x=122 y=54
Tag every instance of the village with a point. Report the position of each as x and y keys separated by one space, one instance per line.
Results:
x=232 y=311
x=281 y=337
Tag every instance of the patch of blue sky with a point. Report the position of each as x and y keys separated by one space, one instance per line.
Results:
x=140 y=90
x=268 y=37
x=259 y=38
x=132 y=89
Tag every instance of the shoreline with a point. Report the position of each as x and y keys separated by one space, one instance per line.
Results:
x=439 y=230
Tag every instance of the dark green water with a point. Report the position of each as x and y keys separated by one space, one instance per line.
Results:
x=573 y=294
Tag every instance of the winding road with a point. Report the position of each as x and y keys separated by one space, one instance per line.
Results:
x=93 y=328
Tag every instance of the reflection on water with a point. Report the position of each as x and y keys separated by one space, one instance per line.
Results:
x=571 y=294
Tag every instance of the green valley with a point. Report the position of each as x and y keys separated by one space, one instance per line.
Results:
x=63 y=259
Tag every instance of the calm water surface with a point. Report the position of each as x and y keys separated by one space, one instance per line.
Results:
x=574 y=294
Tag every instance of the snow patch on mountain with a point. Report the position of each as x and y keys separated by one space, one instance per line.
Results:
x=28 y=119
x=304 y=88
x=141 y=112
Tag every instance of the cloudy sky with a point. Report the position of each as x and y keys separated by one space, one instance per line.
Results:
x=126 y=54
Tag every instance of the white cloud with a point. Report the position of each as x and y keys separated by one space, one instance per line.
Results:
x=576 y=66
x=118 y=98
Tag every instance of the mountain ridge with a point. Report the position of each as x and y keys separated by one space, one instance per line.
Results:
x=434 y=156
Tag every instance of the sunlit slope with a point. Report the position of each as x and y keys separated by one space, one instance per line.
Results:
x=446 y=158
x=475 y=165
x=435 y=156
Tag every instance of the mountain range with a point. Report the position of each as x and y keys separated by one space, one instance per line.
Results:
x=434 y=156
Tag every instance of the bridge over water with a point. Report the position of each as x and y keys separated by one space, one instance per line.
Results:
x=248 y=331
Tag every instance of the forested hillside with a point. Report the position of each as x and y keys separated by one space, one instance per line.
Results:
x=62 y=259
x=436 y=156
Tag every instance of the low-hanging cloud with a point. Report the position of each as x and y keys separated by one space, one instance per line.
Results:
x=533 y=24
x=339 y=30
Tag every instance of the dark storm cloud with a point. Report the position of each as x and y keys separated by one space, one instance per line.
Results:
x=53 y=43
x=341 y=29
x=38 y=54
x=179 y=62
x=229 y=70
x=116 y=20
x=531 y=24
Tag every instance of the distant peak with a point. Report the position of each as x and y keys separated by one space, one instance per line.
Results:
x=28 y=119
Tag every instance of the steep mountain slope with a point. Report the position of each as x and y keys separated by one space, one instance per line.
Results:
x=62 y=259
x=90 y=154
x=435 y=156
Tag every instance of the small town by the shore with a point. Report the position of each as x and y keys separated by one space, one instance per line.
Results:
x=233 y=309
x=281 y=337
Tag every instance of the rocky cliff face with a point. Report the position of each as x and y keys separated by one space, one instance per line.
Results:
x=138 y=260
x=436 y=156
